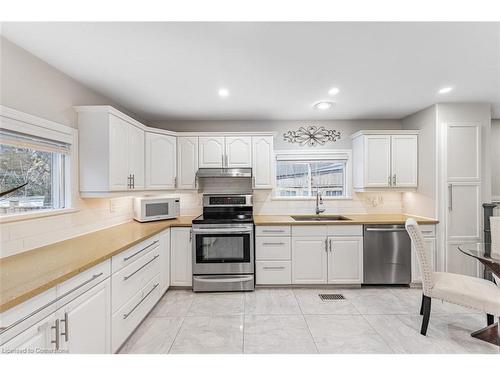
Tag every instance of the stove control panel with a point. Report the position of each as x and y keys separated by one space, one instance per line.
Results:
x=228 y=201
x=237 y=200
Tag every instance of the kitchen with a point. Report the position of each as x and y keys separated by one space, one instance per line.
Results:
x=202 y=216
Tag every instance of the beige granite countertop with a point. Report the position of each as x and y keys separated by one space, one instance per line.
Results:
x=24 y=275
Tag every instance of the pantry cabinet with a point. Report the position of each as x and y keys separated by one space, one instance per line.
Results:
x=187 y=162
x=385 y=159
x=111 y=150
x=161 y=161
x=181 y=273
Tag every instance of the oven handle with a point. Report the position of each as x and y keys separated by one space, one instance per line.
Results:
x=231 y=280
x=223 y=230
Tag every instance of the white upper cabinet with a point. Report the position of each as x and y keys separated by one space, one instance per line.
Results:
x=211 y=152
x=404 y=163
x=263 y=162
x=135 y=153
x=385 y=159
x=111 y=150
x=225 y=152
x=187 y=162
x=118 y=155
x=238 y=152
x=377 y=160
x=161 y=161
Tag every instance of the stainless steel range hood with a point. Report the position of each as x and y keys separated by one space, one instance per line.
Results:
x=224 y=172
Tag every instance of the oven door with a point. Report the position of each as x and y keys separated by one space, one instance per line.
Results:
x=223 y=249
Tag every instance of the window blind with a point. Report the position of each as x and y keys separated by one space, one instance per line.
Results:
x=12 y=138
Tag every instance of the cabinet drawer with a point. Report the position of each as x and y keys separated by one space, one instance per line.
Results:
x=129 y=280
x=273 y=248
x=272 y=230
x=76 y=286
x=345 y=230
x=126 y=319
x=428 y=230
x=309 y=230
x=131 y=255
x=273 y=272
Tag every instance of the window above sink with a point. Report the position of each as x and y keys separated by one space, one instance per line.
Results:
x=299 y=175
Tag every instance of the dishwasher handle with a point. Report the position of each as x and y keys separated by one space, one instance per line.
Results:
x=385 y=229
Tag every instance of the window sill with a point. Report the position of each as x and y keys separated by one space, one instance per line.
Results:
x=35 y=215
x=275 y=198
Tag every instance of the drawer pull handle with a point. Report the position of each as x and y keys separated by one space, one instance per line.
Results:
x=66 y=327
x=125 y=316
x=140 y=268
x=274 y=268
x=50 y=303
x=56 y=338
x=273 y=231
x=140 y=251
x=273 y=243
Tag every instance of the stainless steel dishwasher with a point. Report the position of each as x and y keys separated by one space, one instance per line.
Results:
x=386 y=255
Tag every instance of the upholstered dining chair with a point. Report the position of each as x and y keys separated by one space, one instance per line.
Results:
x=471 y=292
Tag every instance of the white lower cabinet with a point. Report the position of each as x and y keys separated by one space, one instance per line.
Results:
x=345 y=260
x=164 y=260
x=36 y=339
x=181 y=268
x=334 y=259
x=128 y=317
x=85 y=323
x=309 y=260
x=272 y=272
x=95 y=311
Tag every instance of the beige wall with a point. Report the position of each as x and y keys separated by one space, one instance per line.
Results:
x=423 y=201
x=30 y=85
x=345 y=127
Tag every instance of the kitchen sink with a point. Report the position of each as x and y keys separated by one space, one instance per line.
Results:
x=319 y=218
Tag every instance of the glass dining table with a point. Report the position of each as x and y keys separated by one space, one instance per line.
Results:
x=489 y=255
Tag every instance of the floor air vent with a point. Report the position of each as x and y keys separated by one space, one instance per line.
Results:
x=331 y=297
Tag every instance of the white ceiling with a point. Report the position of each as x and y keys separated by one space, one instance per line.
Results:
x=273 y=70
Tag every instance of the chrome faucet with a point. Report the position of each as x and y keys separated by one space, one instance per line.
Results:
x=319 y=203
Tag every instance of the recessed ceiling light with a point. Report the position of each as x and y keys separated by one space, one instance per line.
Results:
x=333 y=91
x=322 y=106
x=223 y=92
x=445 y=90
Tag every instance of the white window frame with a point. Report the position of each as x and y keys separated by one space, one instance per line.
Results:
x=316 y=155
x=21 y=122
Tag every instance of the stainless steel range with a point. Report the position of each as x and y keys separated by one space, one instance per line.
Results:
x=223 y=246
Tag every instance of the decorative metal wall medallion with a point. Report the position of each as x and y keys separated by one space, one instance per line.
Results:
x=311 y=135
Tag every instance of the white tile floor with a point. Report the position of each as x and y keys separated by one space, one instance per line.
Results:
x=286 y=320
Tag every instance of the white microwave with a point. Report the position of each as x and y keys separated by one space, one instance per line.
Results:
x=156 y=208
